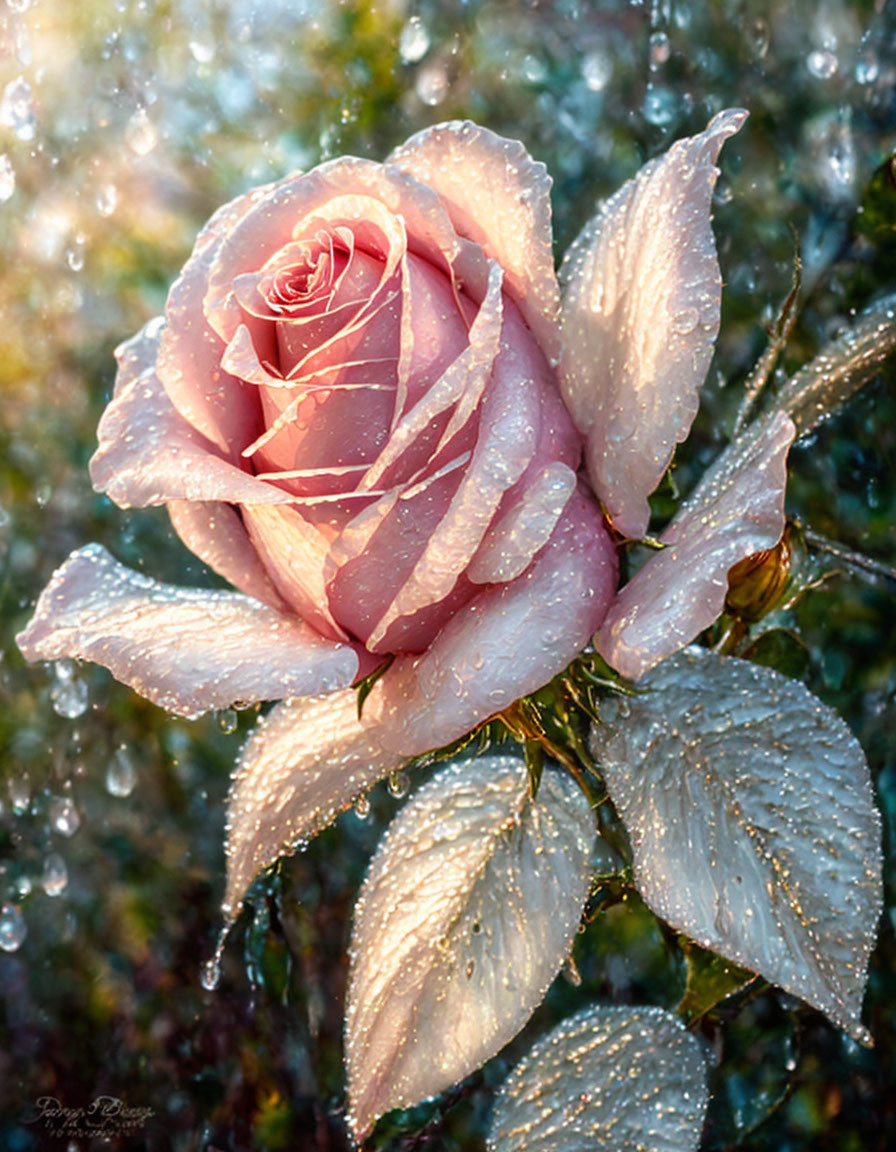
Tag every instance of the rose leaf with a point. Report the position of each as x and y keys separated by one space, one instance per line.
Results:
x=748 y=803
x=469 y=908
x=617 y=1078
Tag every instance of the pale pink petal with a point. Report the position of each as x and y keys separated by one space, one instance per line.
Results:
x=148 y=454
x=184 y=649
x=524 y=523
x=294 y=554
x=640 y=317
x=510 y=640
x=215 y=403
x=498 y=196
x=216 y=533
x=270 y=223
x=737 y=509
x=305 y=762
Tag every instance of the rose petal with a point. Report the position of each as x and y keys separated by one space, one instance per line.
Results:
x=498 y=196
x=510 y=640
x=640 y=317
x=148 y=454
x=737 y=509
x=184 y=649
x=216 y=404
x=216 y=533
x=306 y=761
x=294 y=553
x=270 y=223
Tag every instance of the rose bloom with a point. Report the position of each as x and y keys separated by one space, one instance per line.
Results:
x=368 y=408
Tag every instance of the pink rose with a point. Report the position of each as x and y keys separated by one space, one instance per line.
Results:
x=366 y=408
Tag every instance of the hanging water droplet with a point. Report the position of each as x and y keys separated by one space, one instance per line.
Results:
x=69 y=693
x=17 y=108
x=659 y=105
x=202 y=51
x=210 y=974
x=228 y=720
x=867 y=67
x=431 y=84
x=361 y=807
x=414 y=41
x=597 y=68
x=121 y=775
x=140 y=134
x=55 y=877
x=12 y=928
x=64 y=816
x=20 y=793
x=107 y=200
x=398 y=784
x=660 y=49
x=7 y=177
x=822 y=63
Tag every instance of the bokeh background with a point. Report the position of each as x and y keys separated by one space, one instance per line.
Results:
x=123 y=124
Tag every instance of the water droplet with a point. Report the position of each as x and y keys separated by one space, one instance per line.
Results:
x=210 y=974
x=431 y=84
x=74 y=255
x=228 y=720
x=202 y=51
x=17 y=108
x=24 y=885
x=660 y=49
x=822 y=63
x=659 y=105
x=686 y=321
x=12 y=928
x=867 y=67
x=414 y=42
x=107 y=200
x=140 y=134
x=7 y=177
x=20 y=793
x=55 y=877
x=69 y=693
x=64 y=816
x=398 y=784
x=121 y=775
x=597 y=68
x=361 y=807
x=18 y=5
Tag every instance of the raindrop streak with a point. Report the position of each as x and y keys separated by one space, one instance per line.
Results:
x=12 y=928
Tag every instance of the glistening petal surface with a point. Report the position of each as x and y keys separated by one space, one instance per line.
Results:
x=616 y=1078
x=737 y=509
x=187 y=650
x=470 y=906
x=306 y=761
x=749 y=807
x=640 y=317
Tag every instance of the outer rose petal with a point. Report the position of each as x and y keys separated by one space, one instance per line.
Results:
x=737 y=509
x=640 y=316
x=216 y=534
x=306 y=761
x=497 y=195
x=509 y=641
x=185 y=650
x=147 y=452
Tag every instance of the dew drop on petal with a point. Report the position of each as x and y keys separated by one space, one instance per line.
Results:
x=55 y=876
x=12 y=928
